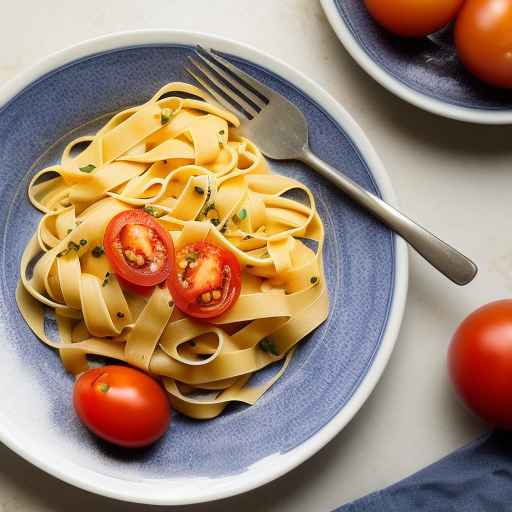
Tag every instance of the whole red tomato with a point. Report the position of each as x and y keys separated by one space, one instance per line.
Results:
x=413 y=18
x=483 y=36
x=122 y=405
x=480 y=362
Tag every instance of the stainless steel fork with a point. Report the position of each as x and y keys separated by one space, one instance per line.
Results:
x=280 y=130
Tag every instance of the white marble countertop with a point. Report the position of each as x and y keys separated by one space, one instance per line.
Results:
x=452 y=177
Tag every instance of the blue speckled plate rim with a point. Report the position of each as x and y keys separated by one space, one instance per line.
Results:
x=395 y=306
x=358 y=49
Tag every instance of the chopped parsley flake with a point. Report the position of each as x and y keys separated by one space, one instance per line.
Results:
x=151 y=210
x=105 y=281
x=268 y=346
x=88 y=168
x=165 y=115
x=72 y=246
x=98 y=251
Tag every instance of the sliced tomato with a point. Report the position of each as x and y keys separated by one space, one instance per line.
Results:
x=206 y=281
x=140 y=250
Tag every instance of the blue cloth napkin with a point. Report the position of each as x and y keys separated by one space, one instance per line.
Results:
x=476 y=478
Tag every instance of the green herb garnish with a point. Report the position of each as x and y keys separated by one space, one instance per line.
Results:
x=69 y=231
x=98 y=251
x=236 y=219
x=165 y=115
x=215 y=222
x=150 y=210
x=153 y=211
x=71 y=247
x=268 y=346
x=207 y=208
x=191 y=257
x=242 y=214
x=83 y=241
x=88 y=168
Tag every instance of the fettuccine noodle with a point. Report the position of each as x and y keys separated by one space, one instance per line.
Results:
x=156 y=156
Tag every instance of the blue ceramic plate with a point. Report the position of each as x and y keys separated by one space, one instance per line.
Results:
x=72 y=93
x=424 y=72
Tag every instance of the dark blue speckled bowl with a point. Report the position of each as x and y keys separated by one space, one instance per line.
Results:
x=425 y=72
x=71 y=93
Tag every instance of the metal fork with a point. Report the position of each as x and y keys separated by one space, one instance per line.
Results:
x=280 y=130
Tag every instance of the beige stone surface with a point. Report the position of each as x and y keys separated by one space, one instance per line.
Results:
x=455 y=178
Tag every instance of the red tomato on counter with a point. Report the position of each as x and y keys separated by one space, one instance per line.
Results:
x=480 y=362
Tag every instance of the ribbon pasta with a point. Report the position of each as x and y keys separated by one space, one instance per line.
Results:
x=178 y=159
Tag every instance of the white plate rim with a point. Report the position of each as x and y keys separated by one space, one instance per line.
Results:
x=423 y=101
x=153 y=492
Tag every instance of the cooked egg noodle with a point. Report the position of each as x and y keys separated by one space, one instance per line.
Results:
x=177 y=159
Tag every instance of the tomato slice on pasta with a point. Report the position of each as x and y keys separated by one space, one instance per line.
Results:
x=206 y=280
x=140 y=250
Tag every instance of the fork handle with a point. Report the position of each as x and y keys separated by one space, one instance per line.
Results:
x=450 y=262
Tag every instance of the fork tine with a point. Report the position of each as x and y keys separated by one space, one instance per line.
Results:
x=260 y=90
x=236 y=85
x=239 y=102
x=218 y=98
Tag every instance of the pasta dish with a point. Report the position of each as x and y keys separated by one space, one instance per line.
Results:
x=166 y=243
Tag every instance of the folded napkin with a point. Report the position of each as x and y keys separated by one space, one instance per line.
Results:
x=476 y=478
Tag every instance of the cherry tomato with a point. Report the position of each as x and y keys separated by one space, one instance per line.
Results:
x=122 y=405
x=140 y=250
x=480 y=362
x=206 y=281
x=413 y=18
x=483 y=35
